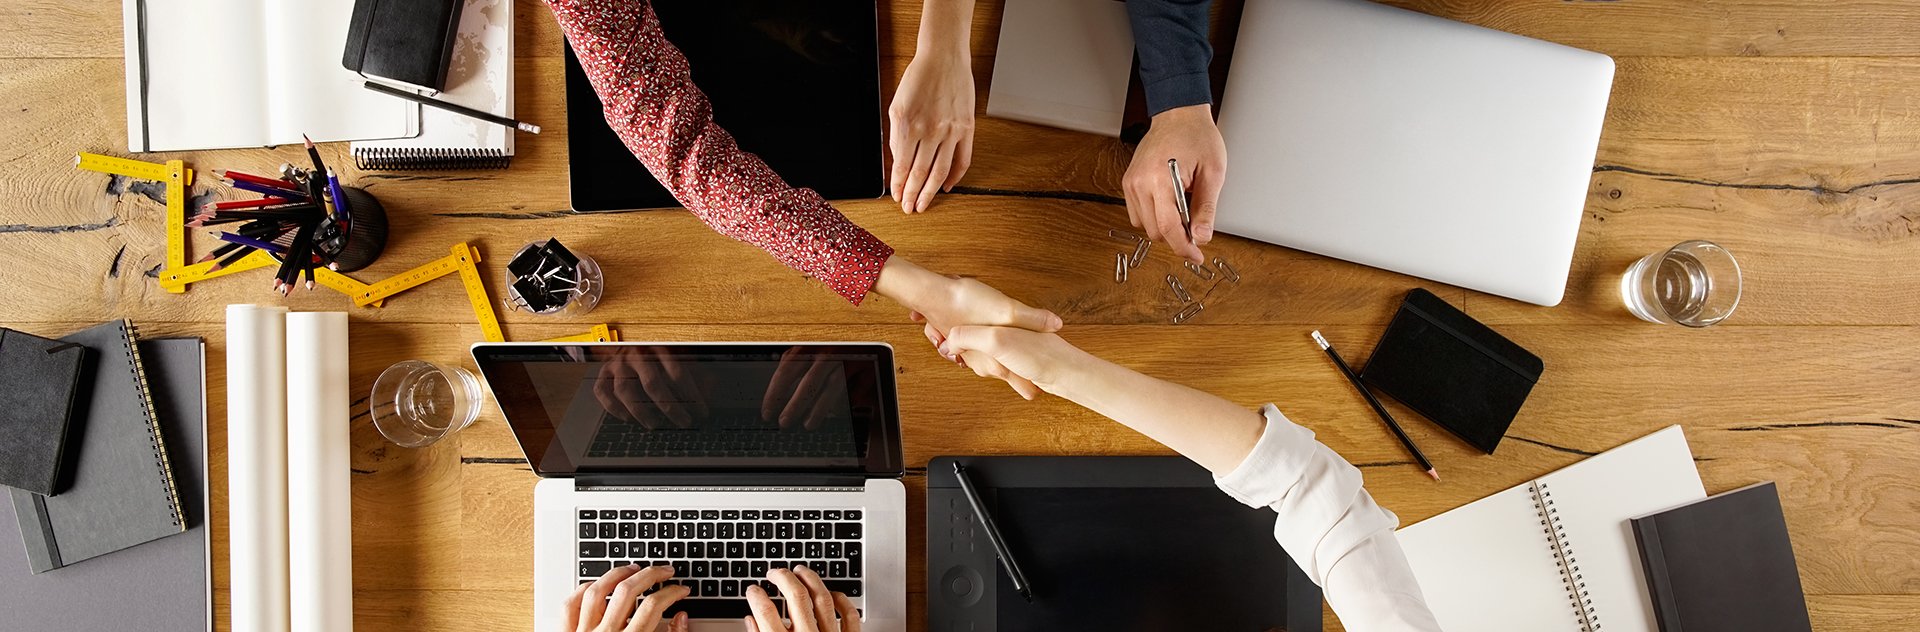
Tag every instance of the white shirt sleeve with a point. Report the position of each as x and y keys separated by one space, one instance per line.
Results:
x=1331 y=527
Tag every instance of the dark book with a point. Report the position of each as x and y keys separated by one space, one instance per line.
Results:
x=123 y=492
x=1723 y=563
x=165 y=584
x=38 y=380
x=1452 y=369
x=403 y=42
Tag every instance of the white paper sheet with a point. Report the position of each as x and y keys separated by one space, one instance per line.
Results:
x=257 y=467
x=319 y=453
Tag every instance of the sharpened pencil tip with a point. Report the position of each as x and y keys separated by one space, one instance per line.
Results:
x=1434 y=473
x=309 y=141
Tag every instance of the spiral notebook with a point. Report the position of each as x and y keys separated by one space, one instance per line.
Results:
x=480 y=76
x=1557 y=552
x=123 y=491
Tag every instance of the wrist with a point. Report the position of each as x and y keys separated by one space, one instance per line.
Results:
x=1186 y=114
x=945 y=26
x=912 y=286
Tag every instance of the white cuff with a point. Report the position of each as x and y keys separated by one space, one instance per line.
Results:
x=1276 y=462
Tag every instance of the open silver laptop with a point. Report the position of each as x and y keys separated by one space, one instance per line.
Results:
x=1412 y=143
x=723 y=460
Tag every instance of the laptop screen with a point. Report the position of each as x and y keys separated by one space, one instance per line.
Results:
x=662 y=408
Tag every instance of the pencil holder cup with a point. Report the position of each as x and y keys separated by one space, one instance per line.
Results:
x=359 y=242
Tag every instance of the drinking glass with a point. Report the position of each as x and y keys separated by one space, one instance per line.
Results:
x=416 y=403
x=1695 y=283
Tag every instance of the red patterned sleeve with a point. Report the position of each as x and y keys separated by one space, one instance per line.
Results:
x=666 y=121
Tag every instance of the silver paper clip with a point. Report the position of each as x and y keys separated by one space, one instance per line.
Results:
x=1205 y=273
x=1139 y=253
x=1187 y=313
x=1233 y=276
x=1120 y=267
x=1124 y=236
x=1179 y=291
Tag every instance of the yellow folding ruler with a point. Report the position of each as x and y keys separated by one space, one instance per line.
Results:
x=181 y=277
x=177 y=176
x=462 y=260
x=599 y=333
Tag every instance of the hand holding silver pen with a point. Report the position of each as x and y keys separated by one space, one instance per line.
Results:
x=1173 y=184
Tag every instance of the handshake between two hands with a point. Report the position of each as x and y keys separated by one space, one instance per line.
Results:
x=980 y=328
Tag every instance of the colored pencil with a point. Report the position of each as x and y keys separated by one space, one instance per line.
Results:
x=228 y=174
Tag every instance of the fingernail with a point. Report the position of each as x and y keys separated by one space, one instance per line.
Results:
x=1053 y=321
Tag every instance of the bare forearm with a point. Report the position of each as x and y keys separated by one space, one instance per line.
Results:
x=1216 y=433
x=945 y=26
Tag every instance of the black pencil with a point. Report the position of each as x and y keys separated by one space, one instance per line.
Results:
x=1377 y=408
x=450 y=107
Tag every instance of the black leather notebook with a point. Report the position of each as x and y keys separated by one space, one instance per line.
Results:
x=1452 y=370
x=38 y=380
x=406 y=42
x=1723 y=564
x=123 y=491
x=164 y=585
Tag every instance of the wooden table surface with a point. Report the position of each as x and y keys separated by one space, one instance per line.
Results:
x=1787 y=131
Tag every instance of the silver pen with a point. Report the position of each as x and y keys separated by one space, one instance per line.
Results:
x=1180 y=197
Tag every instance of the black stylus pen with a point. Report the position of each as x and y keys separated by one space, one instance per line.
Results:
x=1375 y=402
x=993 y=532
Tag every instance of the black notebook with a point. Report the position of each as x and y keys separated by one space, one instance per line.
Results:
x=404 y=42
x=1723 y=564
x=123 y=492
x=165 y=584
x=38 y=381
x=1451 y=369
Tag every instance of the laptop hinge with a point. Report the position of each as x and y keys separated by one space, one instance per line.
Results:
x=717 y=479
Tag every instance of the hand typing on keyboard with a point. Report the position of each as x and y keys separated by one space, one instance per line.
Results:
x=812 y=607
x=613 y=602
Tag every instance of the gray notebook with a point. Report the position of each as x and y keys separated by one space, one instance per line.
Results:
x=122 y=490
x=162 y=584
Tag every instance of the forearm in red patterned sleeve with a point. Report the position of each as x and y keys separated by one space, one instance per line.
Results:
x=666 y=121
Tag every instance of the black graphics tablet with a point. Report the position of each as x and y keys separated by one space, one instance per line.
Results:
x=797 y=83
x=1107 y=543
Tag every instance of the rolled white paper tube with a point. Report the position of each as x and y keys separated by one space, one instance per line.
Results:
x=319 y=490
x=257 y=467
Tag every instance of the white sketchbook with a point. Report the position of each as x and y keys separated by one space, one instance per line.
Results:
x=480 y=76
x=1557 y=552
x=218 y=74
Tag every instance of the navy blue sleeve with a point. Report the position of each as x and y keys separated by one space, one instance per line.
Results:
x=1170 y=36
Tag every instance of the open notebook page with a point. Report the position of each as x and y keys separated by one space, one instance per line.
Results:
x=1596 y=497
x=320 y=97
x=204 y=72
x=248 y=73
x=1489 y=566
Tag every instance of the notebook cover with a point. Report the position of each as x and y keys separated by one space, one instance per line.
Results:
x=1723 y=564
x=163 y=584
x=404 y=41
x=38 y=381
x=1452 y=370
x=123 y=491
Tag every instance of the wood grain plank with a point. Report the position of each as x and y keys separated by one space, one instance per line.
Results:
x=72 y=28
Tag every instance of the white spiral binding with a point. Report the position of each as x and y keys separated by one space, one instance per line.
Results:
x=1563 y=555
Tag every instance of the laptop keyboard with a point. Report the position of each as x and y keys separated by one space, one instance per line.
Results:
x=718 y=553
x=624 y=439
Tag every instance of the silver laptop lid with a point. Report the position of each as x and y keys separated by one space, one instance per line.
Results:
x=1412 y=143
x=708 y=411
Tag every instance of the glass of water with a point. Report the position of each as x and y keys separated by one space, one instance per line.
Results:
x=417 y=403
x=1696 y=284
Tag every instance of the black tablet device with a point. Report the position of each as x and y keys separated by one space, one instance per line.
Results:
x=797 y=83
x=1107 y=543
